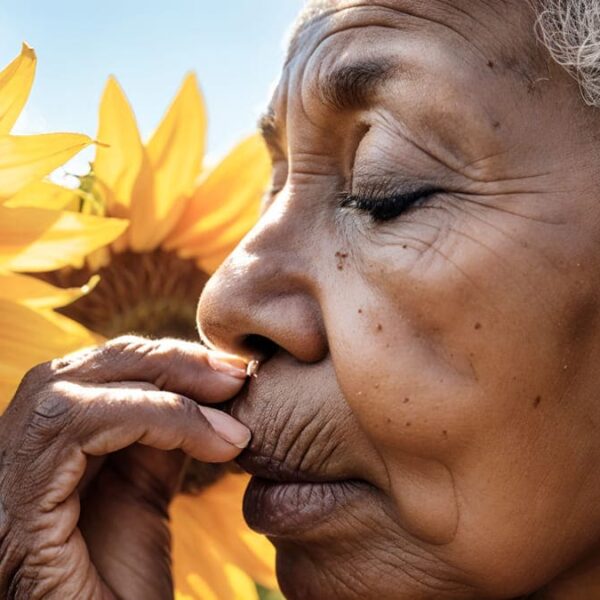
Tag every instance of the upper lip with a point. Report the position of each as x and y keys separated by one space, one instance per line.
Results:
x=268 y=467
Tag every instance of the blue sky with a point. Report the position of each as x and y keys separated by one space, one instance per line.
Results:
x=234 y=46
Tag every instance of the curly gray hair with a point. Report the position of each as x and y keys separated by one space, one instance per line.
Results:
x=570 y=29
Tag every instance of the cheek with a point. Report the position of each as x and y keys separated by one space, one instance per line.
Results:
x=464 y=357
x=407 y=397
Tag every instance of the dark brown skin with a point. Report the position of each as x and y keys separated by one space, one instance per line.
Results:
x=447 y=356
x=93 y=448
x=443 y=364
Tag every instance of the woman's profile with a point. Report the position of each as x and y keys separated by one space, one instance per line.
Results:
x=422 y=293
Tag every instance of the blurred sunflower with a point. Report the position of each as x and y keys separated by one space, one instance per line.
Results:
x=184 y=220
x=37 y=239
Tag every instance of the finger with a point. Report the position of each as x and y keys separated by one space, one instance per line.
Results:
x=105 y=420
x=177 y=366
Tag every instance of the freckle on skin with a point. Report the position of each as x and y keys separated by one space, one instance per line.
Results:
x=477 y=326
x=376 y=386
x=360 y=311
x=445 y=433
x=379 y=327
x=341 y=257
x=406 y=400
x=490 y=64
x=408 y=423
x=537 y=401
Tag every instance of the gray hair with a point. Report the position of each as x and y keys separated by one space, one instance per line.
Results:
x=570 y=29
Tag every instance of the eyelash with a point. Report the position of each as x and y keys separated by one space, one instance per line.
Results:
x=386 y=208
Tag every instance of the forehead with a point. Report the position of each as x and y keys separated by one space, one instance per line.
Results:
x=501 y=26
x=450 y=52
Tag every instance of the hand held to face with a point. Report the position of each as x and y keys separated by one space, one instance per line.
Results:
x=92 y=450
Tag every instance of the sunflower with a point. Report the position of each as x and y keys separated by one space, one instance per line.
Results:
x=183 y=221
x=35 y=235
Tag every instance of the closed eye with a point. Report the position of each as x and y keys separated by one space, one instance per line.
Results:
x=386 y=208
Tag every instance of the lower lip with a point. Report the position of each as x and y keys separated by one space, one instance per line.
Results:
x=281 y=509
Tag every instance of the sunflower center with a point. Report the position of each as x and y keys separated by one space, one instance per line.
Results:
x=153 y=294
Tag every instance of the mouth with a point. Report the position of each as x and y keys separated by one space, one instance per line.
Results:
x=282 y=501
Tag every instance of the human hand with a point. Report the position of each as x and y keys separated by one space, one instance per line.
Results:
x=92 y=450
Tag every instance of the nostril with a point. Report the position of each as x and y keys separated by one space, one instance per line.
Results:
x=260 y=347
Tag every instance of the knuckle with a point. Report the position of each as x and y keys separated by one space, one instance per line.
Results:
x=53 y=408
x=126 y=343
x=179 y=404
x=53 y=403
x=182 y=408
x=35 y=379
x=129 y=348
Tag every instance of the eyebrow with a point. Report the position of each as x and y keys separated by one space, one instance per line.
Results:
x=354 y=86
x=347 y=87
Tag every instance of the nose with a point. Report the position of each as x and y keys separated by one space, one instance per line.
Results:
x=265 y=296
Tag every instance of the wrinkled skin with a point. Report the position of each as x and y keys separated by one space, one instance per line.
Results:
x=433 y=376
x=92 y=450
x=445 y=359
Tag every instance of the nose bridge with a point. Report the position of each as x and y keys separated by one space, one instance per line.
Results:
x=266 y=289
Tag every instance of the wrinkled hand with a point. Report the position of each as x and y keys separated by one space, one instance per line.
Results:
x=92 y=449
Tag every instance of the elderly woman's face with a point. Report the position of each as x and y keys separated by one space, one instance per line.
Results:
x=425 y=280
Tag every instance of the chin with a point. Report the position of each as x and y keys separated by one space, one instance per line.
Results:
x=304 y=575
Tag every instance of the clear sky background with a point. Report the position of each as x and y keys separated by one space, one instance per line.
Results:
x=234 y=46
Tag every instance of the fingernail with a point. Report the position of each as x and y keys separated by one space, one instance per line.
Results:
x=228 y=428
x=227 y=364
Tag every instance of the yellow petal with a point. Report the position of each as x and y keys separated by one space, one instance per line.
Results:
x=98 y=259
x=72 y=330
x=30 y=337
x=118 y=162
x=38 y=294
x=15 y=84
x=218 y=581
x=25 y=159
x=34 y=239
x=45 y=194
x=225 y=204
x=175 y=153
x=209 y=534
